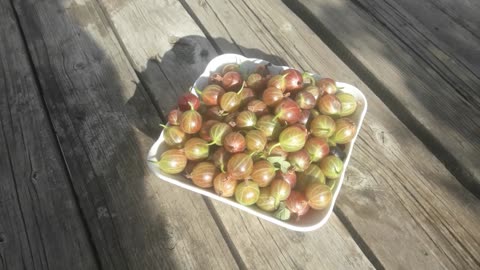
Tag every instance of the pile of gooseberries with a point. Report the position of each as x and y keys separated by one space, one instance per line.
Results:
x=272 y=141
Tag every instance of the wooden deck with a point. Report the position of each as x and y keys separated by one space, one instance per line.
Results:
x=85 y=83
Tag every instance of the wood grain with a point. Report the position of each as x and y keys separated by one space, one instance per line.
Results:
x=435 y=95
x=263 y=245
x=445 y=55
x=463 y=12
x=258 y=244
x=398 y=199
x=166 y=73
x=105 y=123
x=40 y=222
x=453 y=26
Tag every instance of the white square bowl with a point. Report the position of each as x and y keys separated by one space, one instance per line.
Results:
x=314 y=219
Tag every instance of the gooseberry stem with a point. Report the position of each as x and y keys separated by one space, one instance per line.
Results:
x=333 y=185
x=307 y=78
x=164 y=126
x=241 y=89
x=275 y=118
x=271 y=148
x=197 y=91
x=331 y=143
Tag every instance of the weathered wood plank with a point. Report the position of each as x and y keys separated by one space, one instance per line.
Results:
x=105 y=124
x=399 y=199
x=165 y=75
x=445 y=55
x=420 y=37
x=463 y=12
x=259 y=244
x=426 y=88
x=453 y=26
x=263 y=245
x=40 y=222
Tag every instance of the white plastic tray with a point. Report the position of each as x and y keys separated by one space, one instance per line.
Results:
x=314 y=219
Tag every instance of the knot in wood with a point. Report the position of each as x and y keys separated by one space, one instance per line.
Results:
x=3 y=238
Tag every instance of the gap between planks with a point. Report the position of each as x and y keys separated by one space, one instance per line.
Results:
x=361 y=243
